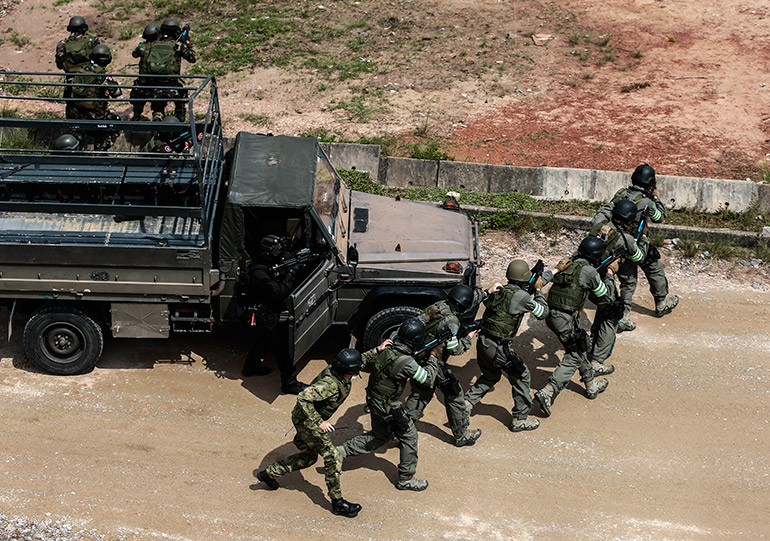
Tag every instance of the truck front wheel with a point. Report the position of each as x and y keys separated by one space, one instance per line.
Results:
x=63 y=341
x=382 y=324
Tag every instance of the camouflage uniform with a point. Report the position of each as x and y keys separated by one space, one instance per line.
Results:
x=650 y=263
x=443 y=319
x=92 y=74
x=172 y=52
x=141 y=94
x=315 y=404
x=499 y=325
x=72 y=55
x=390 y=370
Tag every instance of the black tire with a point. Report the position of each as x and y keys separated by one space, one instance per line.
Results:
x=63 y=340
x=382 y=324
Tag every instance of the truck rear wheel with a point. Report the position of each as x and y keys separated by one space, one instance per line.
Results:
x=382 y=324
x=63 y=340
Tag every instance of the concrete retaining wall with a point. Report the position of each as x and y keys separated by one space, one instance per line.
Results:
x=706 y=194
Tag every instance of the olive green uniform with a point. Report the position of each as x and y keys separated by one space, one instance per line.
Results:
x=141 y=94
x=503 y=315
x=92 y=104
x=390 y=371
x=421 y=395
x=605 y=325
x=650 y=263
x=568 y=293
x=73 y=55
x=315 y=404
x=164 y=57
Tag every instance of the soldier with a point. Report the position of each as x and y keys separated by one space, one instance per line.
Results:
x=139 y=95
x=266 y=295
x=164 y=57
x=604 y=327
x=439 y=319
x=315 y=405
x=390 y=370
x=74 y=53
x=503 y=315
x=643 y=192
x=166 y=142
x=92 y=101
x=577 y=278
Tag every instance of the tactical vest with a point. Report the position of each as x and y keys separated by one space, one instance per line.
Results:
x=144 y=65
x=326 y=408
x=162 y=59
x=77 y=53
x=497 y=321
x=636 y=197
x=89 y=76
x=431 y=327
x=381 y=384
x=566 y=293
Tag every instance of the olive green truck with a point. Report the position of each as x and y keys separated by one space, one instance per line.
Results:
x=146 y=244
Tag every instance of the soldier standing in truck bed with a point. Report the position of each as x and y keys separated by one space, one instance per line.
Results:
x=164 y=57
x=74 y=52
x=139 y=95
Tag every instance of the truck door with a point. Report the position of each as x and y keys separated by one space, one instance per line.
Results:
x=313 y=305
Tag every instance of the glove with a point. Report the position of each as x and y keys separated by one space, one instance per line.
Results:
x=654 y=193
x=563 y=264
x=613 y=267
x=606 y=231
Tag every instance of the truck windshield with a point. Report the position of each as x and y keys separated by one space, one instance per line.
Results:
x=331 y=202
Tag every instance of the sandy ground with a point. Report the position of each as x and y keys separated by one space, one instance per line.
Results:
x=163 y=439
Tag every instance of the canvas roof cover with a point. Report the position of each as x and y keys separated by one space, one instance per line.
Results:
x=273 y=171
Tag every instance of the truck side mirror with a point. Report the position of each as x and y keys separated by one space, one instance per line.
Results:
x=353 y=255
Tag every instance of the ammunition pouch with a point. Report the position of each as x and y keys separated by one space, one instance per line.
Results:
x=577 y=343
x=449 y=384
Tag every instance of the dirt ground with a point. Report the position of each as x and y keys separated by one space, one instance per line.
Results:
x=163 y=439
x=682 y=84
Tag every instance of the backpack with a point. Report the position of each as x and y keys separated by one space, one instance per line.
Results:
x=88 y=78
x=162 y=59
x=77 y=52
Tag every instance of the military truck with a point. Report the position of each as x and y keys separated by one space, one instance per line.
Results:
x=146 y=244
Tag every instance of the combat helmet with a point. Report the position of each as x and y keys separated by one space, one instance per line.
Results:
x=591 y=248
x=151 y=32
x=101 y=55
x=66 y=141
x=77 y=25
x=624 y=212
x=518 y=271
x=460 y=298
x=270 y=244
x=348 y=361
x=170 y=27
x=644 y=177
x=412 y=333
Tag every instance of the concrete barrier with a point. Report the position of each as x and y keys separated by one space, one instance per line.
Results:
x=557 y=183
x=354 y=156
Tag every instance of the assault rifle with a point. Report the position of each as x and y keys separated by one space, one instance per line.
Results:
x=537 y=272
x=640 y=230
x=300 y=258
x=184 y=35
x=445 y=336
x=616 y=253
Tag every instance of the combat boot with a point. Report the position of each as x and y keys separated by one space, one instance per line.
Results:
x=469 y=438
x=594 y=387
x=522 y=425
x=601 y=369
x=271 y=483
x=664 y=305
x=625 y=323
x=545 y=397
x=341 y=506
x=417 y=485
